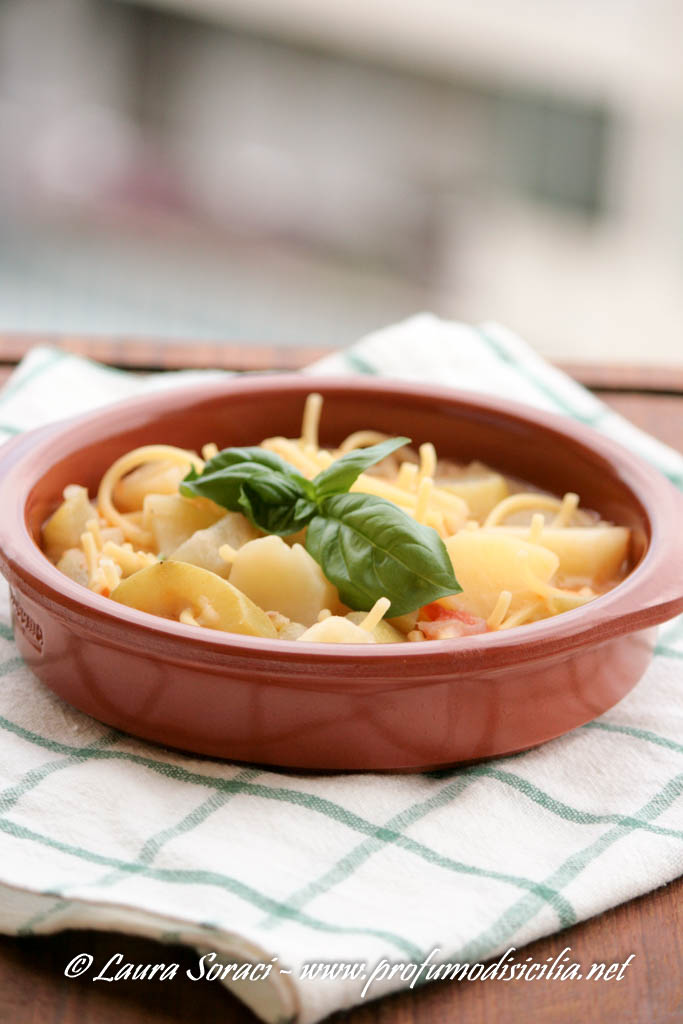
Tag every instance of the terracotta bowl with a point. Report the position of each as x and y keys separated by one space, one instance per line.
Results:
x=317 y=706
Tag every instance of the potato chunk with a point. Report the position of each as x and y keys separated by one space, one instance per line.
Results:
x=337 y=630
x=384 y=632
x=481 y=492
x=64 y=527
x=73 y=563
x=283 y=579
x=171 y=588
x=593 y=553
x=171 y=518
x=151 y=478
x=202 y=547
x=486 y=562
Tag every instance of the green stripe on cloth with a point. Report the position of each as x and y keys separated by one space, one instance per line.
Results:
x=520 y=913
x=541 y=385
x=349 y=864
x=12 y=794
x=359 y=364
x=11 y=665
x=29 y=926
x=668 y=652
x=213 y=803
x=212 y=879
x=152 y=846
x=327 y=808
x=49 y=356
x=345 y=867
x=569 y=813
x=640 y=734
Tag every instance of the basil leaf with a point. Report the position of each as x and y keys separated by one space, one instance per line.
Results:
x=364 y=544
x=369 y=549
x=280 y=518
x=340 y=476
x=230 y=457
x=272 y=500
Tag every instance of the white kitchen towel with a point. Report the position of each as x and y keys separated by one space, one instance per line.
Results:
x=100 y=830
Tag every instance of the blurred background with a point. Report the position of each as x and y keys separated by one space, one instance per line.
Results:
x=302 y=172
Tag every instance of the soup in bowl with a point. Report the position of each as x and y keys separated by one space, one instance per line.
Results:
x=336 y=574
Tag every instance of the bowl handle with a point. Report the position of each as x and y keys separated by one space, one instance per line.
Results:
x=659 y=597
x=9 y=450
x=12 y=453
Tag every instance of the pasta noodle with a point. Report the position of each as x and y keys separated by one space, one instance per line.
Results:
x=518 y=555
x=133 y=460
x=311 y=421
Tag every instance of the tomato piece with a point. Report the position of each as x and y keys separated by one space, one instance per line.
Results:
x=436 y=612
x=440 y=623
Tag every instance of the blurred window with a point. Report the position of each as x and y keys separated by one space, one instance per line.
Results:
x=552 y=149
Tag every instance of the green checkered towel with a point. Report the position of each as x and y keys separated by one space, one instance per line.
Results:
x=100 y=830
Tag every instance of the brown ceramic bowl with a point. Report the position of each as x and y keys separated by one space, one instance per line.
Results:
x=317 y=706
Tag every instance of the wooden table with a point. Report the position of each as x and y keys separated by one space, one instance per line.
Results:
x=33 y=989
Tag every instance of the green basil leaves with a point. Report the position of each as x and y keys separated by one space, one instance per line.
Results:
x=270 y=492
x=367 y=546
x=342 y=474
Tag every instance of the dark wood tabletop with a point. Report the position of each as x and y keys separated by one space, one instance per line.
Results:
x=33 y=989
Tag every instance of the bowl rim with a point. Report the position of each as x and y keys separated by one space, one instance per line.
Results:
x=649 y=594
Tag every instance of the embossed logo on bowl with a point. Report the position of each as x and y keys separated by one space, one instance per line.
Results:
x=27 y=624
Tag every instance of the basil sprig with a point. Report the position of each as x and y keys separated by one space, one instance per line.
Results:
x=270 y=492
x=367 y=546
